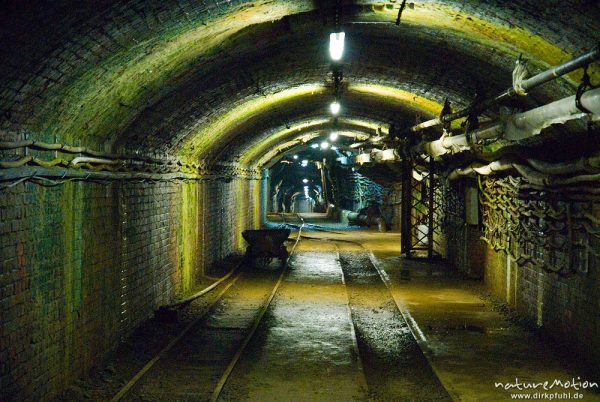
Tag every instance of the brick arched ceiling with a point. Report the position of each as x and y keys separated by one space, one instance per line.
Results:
x=226 y=80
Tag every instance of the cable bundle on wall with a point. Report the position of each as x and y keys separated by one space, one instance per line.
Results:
x=102 y=166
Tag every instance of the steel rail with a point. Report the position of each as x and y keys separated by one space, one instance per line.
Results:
x=238 y=354
x=191 y=298
x=352 y=325
x=124 y=391
x=130 y=384
x=415 y=331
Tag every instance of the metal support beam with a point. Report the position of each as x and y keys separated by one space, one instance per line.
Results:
x=406 y=217
x=430 y=210
x=419 y=211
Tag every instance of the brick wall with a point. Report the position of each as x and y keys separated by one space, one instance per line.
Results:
x=564 y=306
x=83 y=264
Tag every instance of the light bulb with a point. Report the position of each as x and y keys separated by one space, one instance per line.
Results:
x=333 y=136
x=336 y=45
x=324 y=145
x=335 y=107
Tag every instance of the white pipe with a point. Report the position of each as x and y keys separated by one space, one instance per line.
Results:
x=526 y=85
x=543 y=178
x=520 y=125
x=461 y=142
x=478 y=168
x=85 y=159
x=528 y=124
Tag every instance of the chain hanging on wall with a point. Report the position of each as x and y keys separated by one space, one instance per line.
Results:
x=538 y=228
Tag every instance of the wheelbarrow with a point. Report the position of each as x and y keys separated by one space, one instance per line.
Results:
x=265 y=245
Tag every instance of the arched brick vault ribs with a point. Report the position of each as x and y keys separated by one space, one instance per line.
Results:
x=159 y=77
x=275 y=142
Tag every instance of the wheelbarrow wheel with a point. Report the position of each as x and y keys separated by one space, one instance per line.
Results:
x=283 y=254
x=262 y=262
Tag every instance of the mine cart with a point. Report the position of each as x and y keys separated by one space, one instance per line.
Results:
x=266 y=244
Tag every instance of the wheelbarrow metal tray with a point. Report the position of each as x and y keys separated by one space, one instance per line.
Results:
x=266 y=242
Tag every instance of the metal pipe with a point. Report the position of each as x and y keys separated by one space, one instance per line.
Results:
x=561 y=168
x=8 y=145
x=484 y=170
x=532 y=174
x=526 y=85
x=85 y=159
x=67 y=173
x=517 y=126
x=532 y=122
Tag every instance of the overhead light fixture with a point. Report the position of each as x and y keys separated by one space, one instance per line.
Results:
x=304 y=181
x=333 y=136
x=335 y=107
x=304 y=163
x=314 y=146
x=295 y=156
x=324 y=145
x=336 y=45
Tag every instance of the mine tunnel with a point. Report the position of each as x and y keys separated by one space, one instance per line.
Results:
x=326 y=200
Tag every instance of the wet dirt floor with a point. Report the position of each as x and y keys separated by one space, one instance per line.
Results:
x=305 y=349
x=351 y=321
x=469 y=344
x=395 y=367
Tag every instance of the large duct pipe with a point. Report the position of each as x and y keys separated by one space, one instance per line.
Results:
x=481 y=169
x=526 y=85
x=517 y=126
x=540 y=173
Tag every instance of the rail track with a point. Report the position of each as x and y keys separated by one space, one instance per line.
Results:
x=157 y=380
x=228 y=282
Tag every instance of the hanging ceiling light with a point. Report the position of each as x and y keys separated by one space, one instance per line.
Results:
x=324 y=145
x=335 y=107
x=336 y=45
x=333 y=136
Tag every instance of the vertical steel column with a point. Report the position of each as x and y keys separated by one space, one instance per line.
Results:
x=430 y=222
x=324 y=184
x=406 y=217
